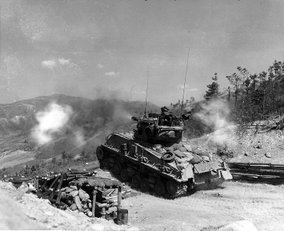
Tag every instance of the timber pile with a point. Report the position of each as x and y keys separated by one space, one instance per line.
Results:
x=83 y=191
x=258 y=172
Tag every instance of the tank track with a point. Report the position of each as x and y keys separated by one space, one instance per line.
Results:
x=143 y=180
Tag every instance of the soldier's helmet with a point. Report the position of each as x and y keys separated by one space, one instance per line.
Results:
x=164 y=109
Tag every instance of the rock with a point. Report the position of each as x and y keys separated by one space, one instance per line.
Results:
x=188 y=147
x=188 y=155
x=24 y=187
x=196 y=159
x=268 y=155
x=73 y=207
x=243 y=225
x=31 y=187
x=83 y=195
x=206 y=158
x=63 y=195
x=258 y=145
x=182 y=149
x=8 y=185
x=74 y=187
x=73 y=193
x=245 y=153
x=78 y=202
x=89 y=214
x=84 y=206
x=69 y=189
x=89 y=204
x=179 y=153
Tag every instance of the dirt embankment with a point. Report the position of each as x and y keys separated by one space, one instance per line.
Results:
x=248 y=146
x=20 y=210
x=266 y=147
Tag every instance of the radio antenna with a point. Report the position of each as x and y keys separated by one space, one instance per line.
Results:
x=185 y=75
x=146 y=98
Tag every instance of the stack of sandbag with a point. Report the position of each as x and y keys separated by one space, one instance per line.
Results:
x=79 y=195
x=77 y=199
x=185 y=153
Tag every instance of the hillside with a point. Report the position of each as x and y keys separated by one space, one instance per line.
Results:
x=63 y=131
x=76 y=126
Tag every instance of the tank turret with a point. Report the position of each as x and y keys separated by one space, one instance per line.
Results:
x=161 y=128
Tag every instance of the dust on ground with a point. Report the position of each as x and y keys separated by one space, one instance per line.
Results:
x=209 y=210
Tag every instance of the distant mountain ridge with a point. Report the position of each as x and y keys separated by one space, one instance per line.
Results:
x=20 y=116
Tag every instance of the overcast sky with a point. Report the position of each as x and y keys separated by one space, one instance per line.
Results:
x=92 y=48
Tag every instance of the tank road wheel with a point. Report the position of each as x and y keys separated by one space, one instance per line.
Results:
x=116 y=168
x=103 y=163
x=100 y=153
x=124 y=175
x=145 y=185
x=172 y=187
x=159 y=188
x=136 y=182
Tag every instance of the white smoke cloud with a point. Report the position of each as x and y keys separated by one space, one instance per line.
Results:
x=50 y=121
x=48 y=63
x=215 y=114
x=63 y=61
x=79 y=137
x=52 y=63
x=112 y=74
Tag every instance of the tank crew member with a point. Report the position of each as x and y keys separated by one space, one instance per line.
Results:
x=165 y=117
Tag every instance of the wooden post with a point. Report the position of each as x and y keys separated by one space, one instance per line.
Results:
x=103 y=213
x=119 y=198
x=94 y=202
x=59 y=188
x=36 y=183
x=52 y=186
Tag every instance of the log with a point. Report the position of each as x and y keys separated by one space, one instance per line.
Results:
x=94 y=202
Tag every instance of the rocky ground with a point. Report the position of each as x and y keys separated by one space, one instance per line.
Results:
x=247 y=146
x=235 y=205
x=21 y=210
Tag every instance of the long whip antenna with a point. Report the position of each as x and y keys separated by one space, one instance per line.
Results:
x=185 y=75
x=146 y=98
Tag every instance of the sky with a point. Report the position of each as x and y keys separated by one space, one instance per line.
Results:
x=107 y=48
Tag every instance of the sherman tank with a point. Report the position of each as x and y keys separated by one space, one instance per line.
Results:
x=156 y=158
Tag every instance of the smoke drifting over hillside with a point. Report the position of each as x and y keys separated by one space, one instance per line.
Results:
x=111 y=117
x=76 y=127
x=215 y=114
x=50 y=121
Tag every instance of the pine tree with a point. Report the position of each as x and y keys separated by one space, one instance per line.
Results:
x=213 y=89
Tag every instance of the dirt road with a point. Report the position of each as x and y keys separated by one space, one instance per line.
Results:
x=261 y=204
